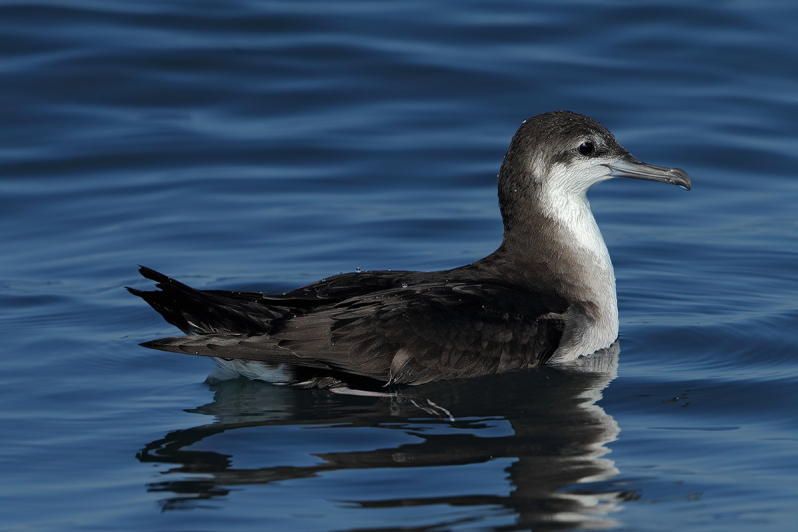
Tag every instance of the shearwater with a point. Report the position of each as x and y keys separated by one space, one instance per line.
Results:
x=546 y=295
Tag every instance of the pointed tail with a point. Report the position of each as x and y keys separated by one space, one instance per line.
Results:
x=207 y=311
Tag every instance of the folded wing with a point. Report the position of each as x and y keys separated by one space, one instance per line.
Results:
x=370 y=326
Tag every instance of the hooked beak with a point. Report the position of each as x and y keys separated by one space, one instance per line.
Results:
x=629 y=166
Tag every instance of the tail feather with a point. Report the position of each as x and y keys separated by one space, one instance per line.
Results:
x=204 y=311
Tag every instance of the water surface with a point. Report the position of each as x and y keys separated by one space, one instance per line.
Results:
x=263 y=145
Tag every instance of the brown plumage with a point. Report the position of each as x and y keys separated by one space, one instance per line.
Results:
x=392 y=327
x=547 y=293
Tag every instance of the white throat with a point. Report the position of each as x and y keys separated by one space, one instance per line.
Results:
x=565 y=202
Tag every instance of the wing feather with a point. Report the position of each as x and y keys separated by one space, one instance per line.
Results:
x=394 y=327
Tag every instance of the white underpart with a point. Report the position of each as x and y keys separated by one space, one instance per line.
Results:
x=566 y=202
x=251 y=369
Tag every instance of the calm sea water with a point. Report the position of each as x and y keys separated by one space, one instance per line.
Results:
x=264 y=145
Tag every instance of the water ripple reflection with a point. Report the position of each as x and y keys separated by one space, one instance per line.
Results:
x=541 y=430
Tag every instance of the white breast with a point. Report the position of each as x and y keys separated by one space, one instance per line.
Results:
x=565 y=202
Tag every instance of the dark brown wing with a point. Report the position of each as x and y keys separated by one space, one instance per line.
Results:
x=212 y=311
x=408 y=335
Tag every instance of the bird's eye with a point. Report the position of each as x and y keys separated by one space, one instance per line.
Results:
x=586 y=148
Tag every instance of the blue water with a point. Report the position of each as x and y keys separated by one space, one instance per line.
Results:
x=263 y=145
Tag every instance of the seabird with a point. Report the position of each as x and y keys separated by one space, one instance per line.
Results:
x=546 y=295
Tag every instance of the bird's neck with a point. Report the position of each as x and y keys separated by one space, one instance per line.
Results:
x=559 y=247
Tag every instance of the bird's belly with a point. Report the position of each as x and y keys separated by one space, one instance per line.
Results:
x=251 y=369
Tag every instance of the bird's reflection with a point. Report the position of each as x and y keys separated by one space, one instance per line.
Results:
x=551 y=437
